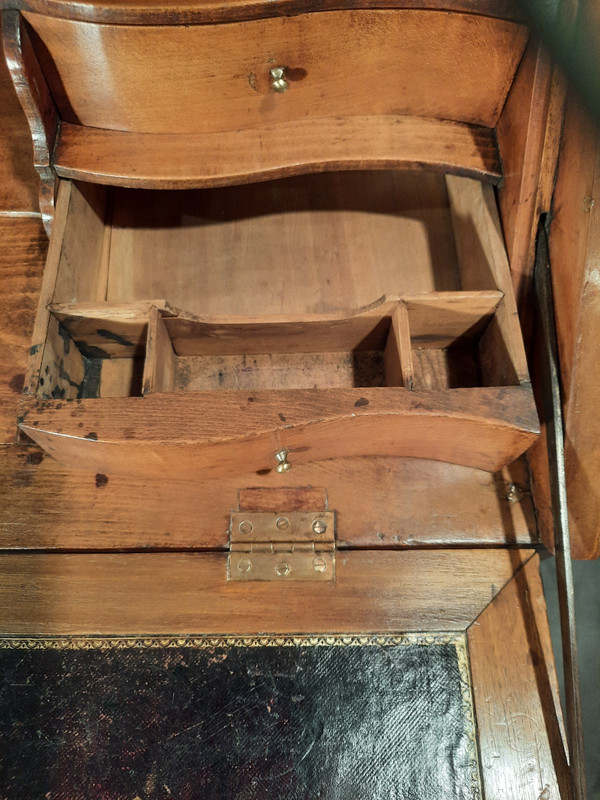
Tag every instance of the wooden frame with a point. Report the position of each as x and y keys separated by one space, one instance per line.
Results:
x=495 y=597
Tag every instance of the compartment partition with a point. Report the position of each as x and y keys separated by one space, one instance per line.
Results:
x=334 y=293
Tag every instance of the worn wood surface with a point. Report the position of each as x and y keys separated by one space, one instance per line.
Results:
x=37 y=103
x=175 y=161
x=140 y=82
x=516 y=695
x=575 y=260
x=159 y=593
x=521 y=135
x=186 y=434
x=23 y=244
x=18 y=180
x=380 y=502
x=186 y=12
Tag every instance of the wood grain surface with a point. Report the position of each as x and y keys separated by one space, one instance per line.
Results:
x=186 y=12
x=379 y=502
x=142 y=81
x=178 y=594
x=212 y=433
x=18 y=181
x=37 y=103
x=575 y=257
x=187 y=160
x=516 y=695
x=23 y=245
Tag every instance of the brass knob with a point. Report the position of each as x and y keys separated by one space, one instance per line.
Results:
x=283 y=465
x=279 y=83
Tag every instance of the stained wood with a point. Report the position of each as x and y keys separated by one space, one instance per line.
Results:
x=380 y=502
x=188 y=12
x=18 y=181
x=36 y=101
x=440 y=319
x=516 y=697
x=229 y=88
x=217 y=433
x=398 y=356
x=23 y=245
x=157 y=161
x=574 y=256
x=521 y=135
x=316 y=244
x=161 y=364
x=484 y=264
x=189 y=593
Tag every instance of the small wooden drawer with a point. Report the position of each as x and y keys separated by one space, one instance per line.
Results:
x=315 y=317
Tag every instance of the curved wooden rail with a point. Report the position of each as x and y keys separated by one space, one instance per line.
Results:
x=221 y=433
x=172 y=161
x=186 y=12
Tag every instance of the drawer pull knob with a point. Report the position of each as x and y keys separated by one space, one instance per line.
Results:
x=279 y=83
x=283 y=465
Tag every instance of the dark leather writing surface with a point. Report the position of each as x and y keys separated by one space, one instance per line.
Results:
x=302 y=719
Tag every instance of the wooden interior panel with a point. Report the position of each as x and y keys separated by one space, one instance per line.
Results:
x=23 y=245
x=521 y=747
x=379 y=502
x=313 y=244
x=138 y=78
x=178 y=594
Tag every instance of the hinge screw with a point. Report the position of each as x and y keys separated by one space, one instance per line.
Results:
x=244 y=565
x=246 y=526
x=283 y=464
x=319 y=526
x=319 y=564
x=282 y=569
x=282 y=523
x=514 y=494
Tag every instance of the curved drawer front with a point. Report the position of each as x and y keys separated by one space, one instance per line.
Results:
x=203 y=78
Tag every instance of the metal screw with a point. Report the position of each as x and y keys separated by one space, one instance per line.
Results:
x=283 y=464
x=282 y=569
x=282 y=523
x=514 y=494
x=319 y=564
x=319 y=526
x=246 y=526
x=244 y=565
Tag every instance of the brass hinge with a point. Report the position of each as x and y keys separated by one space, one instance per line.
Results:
x=290 y=546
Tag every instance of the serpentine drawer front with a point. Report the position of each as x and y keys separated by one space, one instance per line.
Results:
x=226 y=330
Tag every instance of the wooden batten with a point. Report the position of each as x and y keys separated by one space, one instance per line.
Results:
x=160 y=364
x=398 y=354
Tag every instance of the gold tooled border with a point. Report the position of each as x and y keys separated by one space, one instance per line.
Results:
x=210 y=642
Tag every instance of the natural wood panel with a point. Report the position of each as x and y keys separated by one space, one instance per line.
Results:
x=306 y=245
x=380 y=502
x=142 y=82
x=521 y=135
x=18 y=181
x=187 y=12
x=575 y=259
x=37 y=103
x=158 y=161
x=185 y=434
x=23 y=246
x=516 y=695
x=176 y=594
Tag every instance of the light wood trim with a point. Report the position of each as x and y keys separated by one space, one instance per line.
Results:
x=379 y=502
x=228 y=432
x=188 y=12
x=178 y=594
x=484 y=264
x=160 y=365
x=37 y=103
x=42 y=318
x=398 y=352
x=173 y=161
x=516 y=695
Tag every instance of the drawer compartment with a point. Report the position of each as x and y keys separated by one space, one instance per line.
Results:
x=321 y=316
